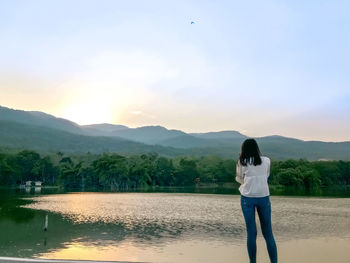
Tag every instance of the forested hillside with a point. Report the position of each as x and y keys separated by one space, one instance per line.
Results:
x=20 y=130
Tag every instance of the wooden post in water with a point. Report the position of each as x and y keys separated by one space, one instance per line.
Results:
x=46 y=222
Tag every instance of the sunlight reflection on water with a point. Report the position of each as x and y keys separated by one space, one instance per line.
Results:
x=151 y=223
x=217 y=215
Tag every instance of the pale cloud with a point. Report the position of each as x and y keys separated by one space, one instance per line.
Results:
x=263 y=69
x=142 y=114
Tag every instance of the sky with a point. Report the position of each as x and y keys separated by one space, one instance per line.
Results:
x=258 y=67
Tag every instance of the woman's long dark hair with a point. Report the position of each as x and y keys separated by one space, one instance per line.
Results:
x=250 y=153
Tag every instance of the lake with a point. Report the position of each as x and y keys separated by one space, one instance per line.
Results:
x=168 y=227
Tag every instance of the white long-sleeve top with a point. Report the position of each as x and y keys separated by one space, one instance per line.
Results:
x=253 y=179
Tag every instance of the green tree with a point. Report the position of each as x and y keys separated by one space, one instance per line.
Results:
x=164 y=172
x=139 y=171
x=70 y=173
x=27 y=162
x=111 y=170
x=290 y=177
x=6 y=172
x=187 y=172
x=311 y=178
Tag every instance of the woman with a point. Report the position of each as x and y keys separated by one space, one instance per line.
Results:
x=252 y=172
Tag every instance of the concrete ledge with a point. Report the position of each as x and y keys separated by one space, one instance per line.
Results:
x=39 y=260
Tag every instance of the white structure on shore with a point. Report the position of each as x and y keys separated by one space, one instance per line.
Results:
x=36 y=184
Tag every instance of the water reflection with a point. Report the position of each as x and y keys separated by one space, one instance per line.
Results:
x=159 y=215
x=320 y=250
x=161 y=227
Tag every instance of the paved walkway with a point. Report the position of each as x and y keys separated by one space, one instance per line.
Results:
x=24 y=260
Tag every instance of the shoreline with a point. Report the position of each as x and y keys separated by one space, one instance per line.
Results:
x=39 y=260
x=225 y=188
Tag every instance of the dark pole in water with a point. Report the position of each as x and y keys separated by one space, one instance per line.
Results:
x=46 y=222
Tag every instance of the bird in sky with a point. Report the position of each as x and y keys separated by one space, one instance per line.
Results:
x=192 y=22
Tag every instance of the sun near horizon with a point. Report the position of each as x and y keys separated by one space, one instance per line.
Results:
x=284 y=70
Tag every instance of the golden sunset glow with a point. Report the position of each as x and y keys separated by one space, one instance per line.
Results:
x=124 y=251
x=90 y=110
x=219 y=73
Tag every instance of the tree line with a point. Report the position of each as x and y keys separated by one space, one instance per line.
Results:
x=118 y=172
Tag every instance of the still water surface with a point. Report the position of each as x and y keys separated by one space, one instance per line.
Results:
x=171 y=227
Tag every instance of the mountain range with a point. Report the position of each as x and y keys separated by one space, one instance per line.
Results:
x=47 y=134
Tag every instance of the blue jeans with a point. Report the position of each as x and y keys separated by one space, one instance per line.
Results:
x=263 y=207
